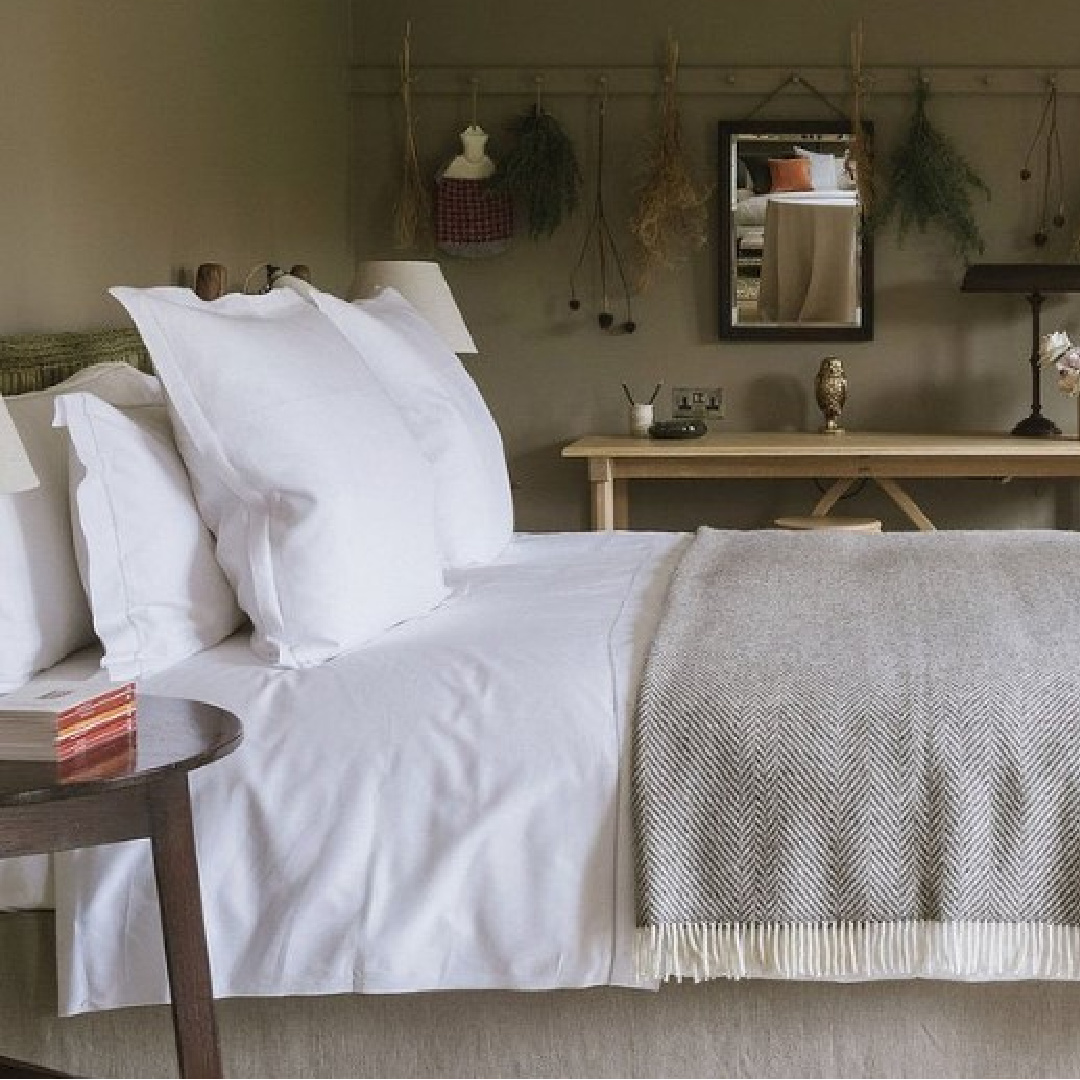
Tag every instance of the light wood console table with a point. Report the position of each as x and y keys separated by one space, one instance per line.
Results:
x=614 y=460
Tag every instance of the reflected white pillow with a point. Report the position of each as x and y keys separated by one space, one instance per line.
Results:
x=444 y=411
x=825 y=169
x=44 y=614
x=145 y=557
x=321 y=502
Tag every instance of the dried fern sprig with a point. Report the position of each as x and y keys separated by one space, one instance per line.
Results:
x=412 y=212
x=671 y=212
x=540 y=172
x=929 y=183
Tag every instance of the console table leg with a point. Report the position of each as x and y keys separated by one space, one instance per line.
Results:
x=906 y=503
x=831 y=497
x=188 y=962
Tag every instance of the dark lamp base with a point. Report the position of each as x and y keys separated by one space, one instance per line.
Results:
x=1036 y=426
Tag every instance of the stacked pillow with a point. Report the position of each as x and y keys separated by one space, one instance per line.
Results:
x=313 y=464
x=443 y=411
x=156 y=591
x=340 y=454
x=44 y=614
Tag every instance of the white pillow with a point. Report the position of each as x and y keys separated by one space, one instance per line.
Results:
x=145 y=557
x=824 y=169
x=321 y=502
x=444 y=411
x=44 y=615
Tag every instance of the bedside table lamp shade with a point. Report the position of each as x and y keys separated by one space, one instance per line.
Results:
x=423 y=285
x=1035 y=281
x=16 y=472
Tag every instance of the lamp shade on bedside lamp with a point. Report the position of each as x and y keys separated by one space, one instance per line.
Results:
x=16 y=472
x=423 y=285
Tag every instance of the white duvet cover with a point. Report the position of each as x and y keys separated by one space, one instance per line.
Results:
x=441 y=809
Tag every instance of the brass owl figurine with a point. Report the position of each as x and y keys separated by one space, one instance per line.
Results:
x=830 y=389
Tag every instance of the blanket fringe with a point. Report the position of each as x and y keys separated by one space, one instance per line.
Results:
x=850 y=951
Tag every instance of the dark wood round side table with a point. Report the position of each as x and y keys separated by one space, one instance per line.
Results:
x=139 y=791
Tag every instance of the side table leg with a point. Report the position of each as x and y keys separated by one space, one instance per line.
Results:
x=177 y=873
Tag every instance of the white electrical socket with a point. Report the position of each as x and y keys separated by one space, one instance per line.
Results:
x=699 y=402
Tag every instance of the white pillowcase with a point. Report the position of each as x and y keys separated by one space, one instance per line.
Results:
x=824 y=169
x=444 y=411
x=145 y=557
x=44 y=614
x=321 y=502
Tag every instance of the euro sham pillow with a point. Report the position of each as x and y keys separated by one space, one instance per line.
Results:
x=146 y=559
x=44 y=614
x=320 y=500
x=444 y=411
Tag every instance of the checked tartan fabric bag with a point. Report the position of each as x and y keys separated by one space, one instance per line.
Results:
x=471 y=219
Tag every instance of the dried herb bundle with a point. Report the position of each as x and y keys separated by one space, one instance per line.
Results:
x=929 y=183
x=540 y=171
x=671 y=212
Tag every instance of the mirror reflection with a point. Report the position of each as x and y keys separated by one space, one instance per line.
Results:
x=795 y=261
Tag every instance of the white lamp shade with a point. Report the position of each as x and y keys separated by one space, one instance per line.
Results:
x=423 y=285
x=16 y=472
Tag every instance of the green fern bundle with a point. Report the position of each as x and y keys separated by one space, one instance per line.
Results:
x=540 y=172
x=929 y=183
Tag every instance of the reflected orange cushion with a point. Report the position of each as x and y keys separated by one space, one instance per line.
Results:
x=790 y=174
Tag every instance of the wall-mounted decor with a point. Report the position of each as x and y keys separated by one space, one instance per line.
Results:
x=540 y=171
x=795 y=259
x=671 y=214
x=412 y=211
x=929 y=183
x=1053 y=167
x=598 y=232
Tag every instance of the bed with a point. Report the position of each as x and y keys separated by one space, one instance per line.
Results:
x=471 y=831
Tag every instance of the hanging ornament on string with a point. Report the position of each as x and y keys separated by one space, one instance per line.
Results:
x=473 y=219
x=1053 y=178
x=599 y=234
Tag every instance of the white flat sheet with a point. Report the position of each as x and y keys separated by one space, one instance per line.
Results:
x=442 y=809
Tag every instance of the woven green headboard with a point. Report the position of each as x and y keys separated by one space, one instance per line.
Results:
x=35 y=361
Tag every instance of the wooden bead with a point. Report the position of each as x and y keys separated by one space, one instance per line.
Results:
x=210 y=281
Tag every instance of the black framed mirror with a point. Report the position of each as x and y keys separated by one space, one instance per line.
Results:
x=796 y=262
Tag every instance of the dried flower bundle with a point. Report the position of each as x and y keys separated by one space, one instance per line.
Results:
x=671 y=214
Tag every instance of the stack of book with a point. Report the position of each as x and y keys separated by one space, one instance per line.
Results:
x=74 y=723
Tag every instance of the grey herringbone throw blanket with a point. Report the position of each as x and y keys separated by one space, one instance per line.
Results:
x=858 y=755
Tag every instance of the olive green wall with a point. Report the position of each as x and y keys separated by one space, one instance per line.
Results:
x=940 y=360
x=139 y=138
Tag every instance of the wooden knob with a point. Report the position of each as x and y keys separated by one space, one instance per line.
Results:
x=209 y=281
x=302 y=271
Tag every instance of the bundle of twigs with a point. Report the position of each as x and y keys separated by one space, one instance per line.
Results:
x=671 y=213
x=412 y=213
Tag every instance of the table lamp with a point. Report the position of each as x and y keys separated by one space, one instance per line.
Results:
x=16 y=472
x=423 y=285
x=1035 y=281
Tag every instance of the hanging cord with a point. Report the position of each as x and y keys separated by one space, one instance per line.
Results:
x=1053 y=164
x=605 y=241
x=475 y=81
x=795 y=79
x=413 y=210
